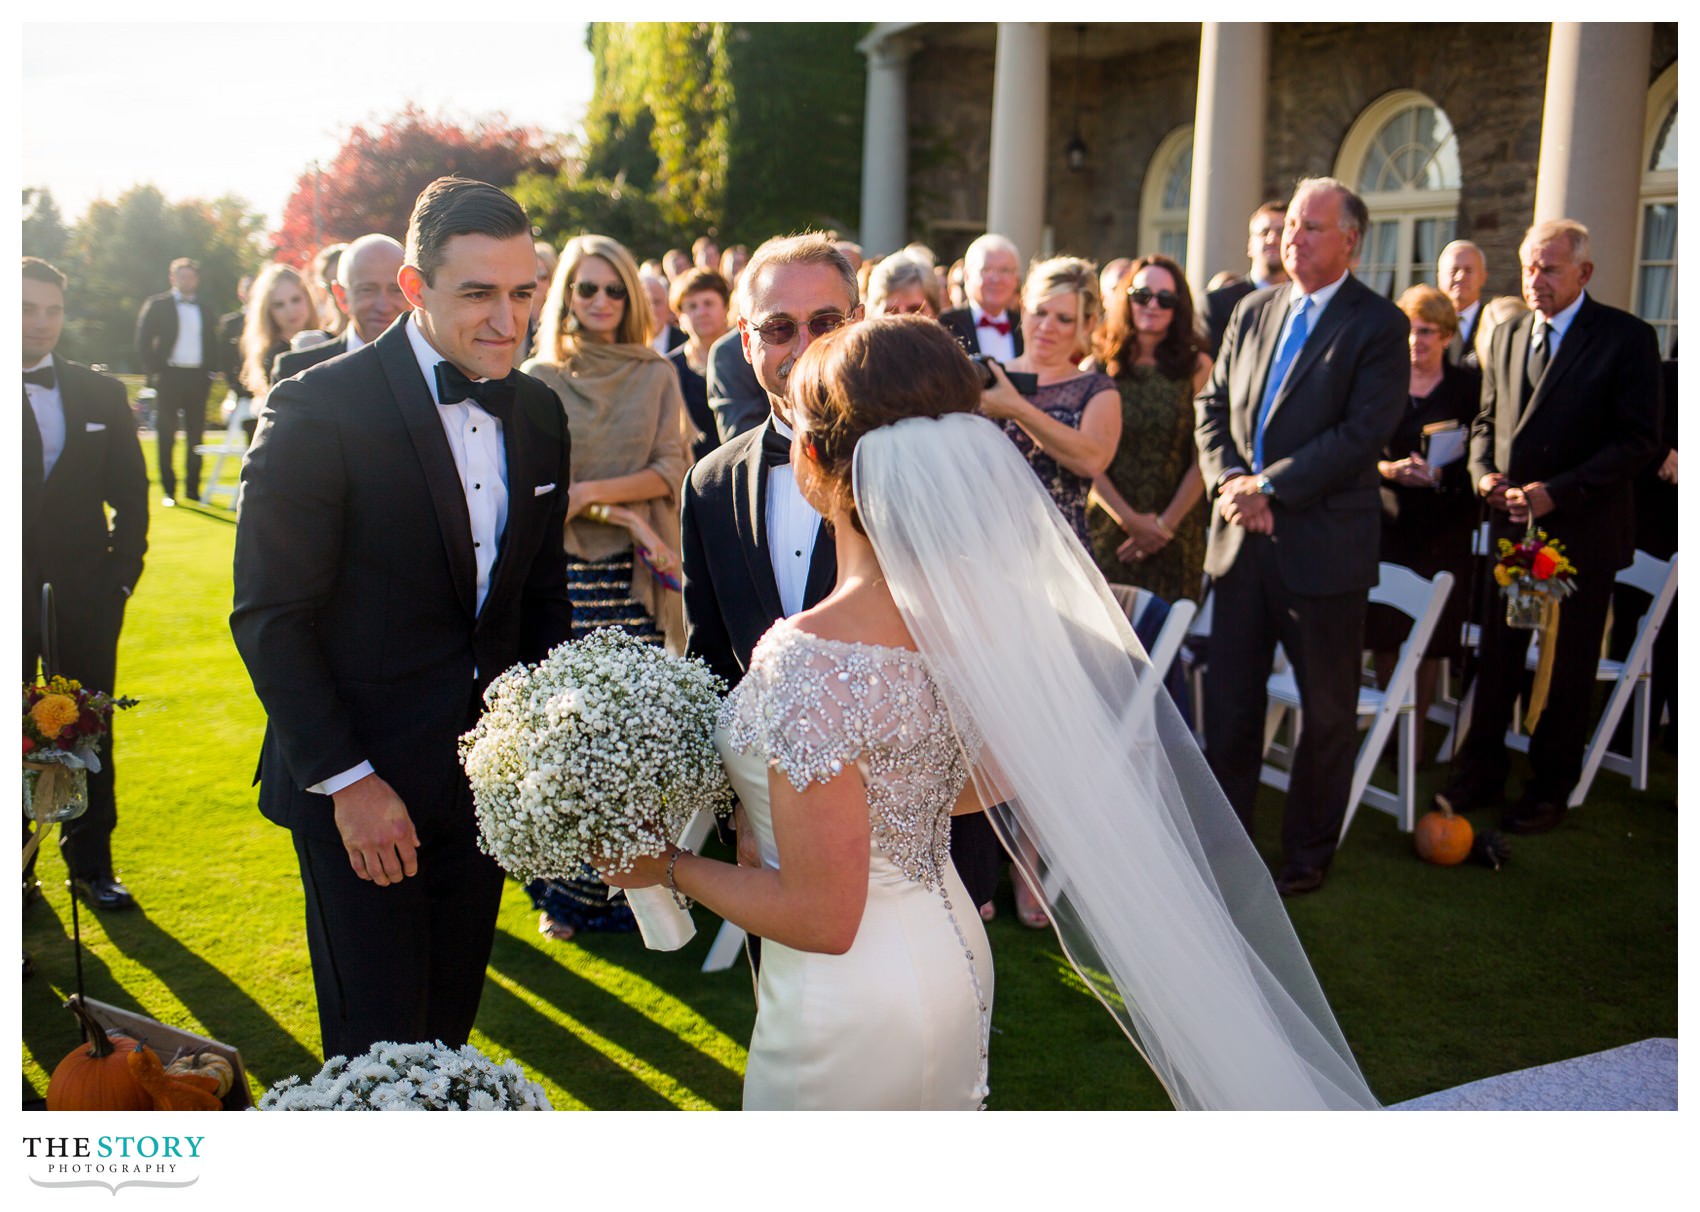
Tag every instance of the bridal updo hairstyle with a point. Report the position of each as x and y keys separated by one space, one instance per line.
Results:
x=868 y=375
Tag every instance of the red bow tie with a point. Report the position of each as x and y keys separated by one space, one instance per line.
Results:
x=1001 y=325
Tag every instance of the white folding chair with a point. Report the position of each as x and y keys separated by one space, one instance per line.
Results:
x=1383 y=710
x=1632 y=678
x=1192 y=649
x=1455 y=713
x=234 y=446
x=1164 y=648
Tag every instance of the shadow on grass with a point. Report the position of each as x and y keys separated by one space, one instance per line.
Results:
x=601 y=1075
x=224 y=1010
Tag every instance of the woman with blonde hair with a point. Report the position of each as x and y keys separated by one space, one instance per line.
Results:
x=279 y=306
x=630 y=434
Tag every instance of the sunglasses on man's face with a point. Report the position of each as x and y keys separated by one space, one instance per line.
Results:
x=587 y=290
x=782 y=330
x=1144 y=296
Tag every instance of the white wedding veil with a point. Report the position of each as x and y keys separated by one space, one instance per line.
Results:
x=1157 y=895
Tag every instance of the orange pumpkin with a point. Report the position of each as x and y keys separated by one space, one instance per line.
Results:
x=95 y=1076
x=1443 y=838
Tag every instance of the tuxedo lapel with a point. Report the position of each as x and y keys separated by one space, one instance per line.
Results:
x=823 y=567
x=521 y=490
x=419 y=413
x=1270 y=321
x=749 y=515
x=68 y=467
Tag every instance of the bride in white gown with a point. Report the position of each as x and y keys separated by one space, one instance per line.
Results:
x=971 y=654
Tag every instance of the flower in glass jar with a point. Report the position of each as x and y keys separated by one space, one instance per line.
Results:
x=1545 y=564
x=53 y=712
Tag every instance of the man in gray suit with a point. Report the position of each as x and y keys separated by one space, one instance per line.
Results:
x=1311 y=381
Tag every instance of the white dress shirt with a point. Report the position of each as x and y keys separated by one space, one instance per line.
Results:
x=187 y=351
x=993 y=343
x=1467 y=318
x=475 y=440
x=49 y=407
x=792 y=526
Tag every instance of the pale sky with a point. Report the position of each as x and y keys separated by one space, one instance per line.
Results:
x=204 y=108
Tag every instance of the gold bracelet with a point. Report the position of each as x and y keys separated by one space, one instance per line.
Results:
x=596 y=513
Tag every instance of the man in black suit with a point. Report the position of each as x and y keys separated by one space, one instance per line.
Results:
x=367 y=290
x=1462 y=271
x=1263 y=247
x=230 y=326
x=91 y=462
x=991 y=323
x=1311 y=382
x=398 y=545
x=1570 y=414
x=177 y=336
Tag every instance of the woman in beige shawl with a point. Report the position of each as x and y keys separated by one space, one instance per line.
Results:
x=630 y=441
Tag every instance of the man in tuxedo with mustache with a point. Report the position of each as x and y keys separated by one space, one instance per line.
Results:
x=398 y=546
x=754 y=550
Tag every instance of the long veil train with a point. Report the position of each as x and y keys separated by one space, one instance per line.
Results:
x=1159 y=898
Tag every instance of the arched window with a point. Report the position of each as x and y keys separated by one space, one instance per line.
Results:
x=1166 y=194
x=1401 y=156
x=1655 y=257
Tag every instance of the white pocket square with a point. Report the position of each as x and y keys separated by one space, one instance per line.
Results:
x=539 y=491
x=93 y=427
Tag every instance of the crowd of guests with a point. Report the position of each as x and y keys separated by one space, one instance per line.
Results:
x=1267 y=445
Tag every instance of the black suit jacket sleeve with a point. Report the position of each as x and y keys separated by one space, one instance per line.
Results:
x=1213 y=432
x=735 y=395
x=705 y=627
x=152 y=327
x=124 y=475
x=288 y=550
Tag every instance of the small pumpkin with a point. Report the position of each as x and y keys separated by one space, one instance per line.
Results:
x=1443 y=838
x=209 y=1066
x=95 y=1075
x=167 y=1092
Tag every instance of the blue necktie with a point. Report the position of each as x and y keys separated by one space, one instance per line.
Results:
x=1284 y=358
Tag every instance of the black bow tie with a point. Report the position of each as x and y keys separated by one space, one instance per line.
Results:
x=775 y=448
x=40 y=377
x=495 y=396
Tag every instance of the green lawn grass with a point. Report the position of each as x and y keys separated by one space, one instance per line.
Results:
x=1438 y=976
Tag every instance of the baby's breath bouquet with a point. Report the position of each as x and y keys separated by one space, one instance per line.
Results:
x=602 y=751
x=411 y=1077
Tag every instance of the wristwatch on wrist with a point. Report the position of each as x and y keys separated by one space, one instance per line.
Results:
x=1264 y=487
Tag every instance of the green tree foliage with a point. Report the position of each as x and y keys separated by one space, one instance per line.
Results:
x=118 y=255
x=561 y=208
x=738 y=131
x=45 y=233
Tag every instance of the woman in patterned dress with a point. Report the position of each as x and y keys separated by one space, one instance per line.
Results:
x=1068 y=430
x=1142 y=524
x=630 y=434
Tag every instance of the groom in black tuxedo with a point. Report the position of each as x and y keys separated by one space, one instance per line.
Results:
x=754 y=550
x=398 y=545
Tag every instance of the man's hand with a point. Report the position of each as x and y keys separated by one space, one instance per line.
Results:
x=1667 y=469
x=1530 y=501
x=1241 y=504
x=1412 y=471
x=377 y=832
x=1492 y=488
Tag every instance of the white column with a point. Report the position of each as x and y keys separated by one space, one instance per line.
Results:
x=885 y=144
x=1015 y=193
x=1227 y=147
x=1596 y=103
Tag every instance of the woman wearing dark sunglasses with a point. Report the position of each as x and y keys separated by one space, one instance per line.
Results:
x=1143 y=531
x=629 y=433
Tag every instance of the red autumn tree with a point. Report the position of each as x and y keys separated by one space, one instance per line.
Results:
x=371 y=184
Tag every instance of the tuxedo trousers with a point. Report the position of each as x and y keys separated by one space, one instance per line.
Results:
x=403 y=963
x=1323 y=638
x=89 y=619
x=1559 y=742
x=182 y=399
